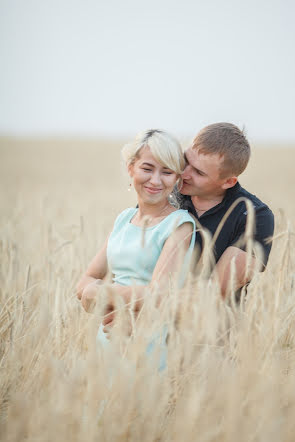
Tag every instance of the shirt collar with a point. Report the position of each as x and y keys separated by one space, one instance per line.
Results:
x=185 y=201
x=232 y=191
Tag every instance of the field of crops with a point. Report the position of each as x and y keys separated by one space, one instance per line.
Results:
x=230 y=372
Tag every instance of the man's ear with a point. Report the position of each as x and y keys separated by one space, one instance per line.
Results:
x=230 y=182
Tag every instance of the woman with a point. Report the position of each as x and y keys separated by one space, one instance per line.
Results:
x=147 y=242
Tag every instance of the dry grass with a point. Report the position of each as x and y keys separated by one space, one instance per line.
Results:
x=230 y=372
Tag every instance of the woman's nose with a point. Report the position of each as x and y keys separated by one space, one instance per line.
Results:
x=155 y=179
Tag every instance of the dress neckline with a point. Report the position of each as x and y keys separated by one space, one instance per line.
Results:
x=155 y=225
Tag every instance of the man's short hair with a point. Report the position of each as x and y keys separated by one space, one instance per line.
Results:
x=228 y=141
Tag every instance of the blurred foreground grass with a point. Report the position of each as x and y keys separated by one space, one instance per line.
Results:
x=230 y=372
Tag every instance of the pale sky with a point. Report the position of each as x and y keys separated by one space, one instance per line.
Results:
x=113 y=67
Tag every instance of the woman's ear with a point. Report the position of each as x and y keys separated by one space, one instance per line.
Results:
x=130 y=170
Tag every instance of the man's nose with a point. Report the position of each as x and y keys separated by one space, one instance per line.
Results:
x=186 y=173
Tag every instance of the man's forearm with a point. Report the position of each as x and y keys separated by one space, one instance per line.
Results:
x=234 y=259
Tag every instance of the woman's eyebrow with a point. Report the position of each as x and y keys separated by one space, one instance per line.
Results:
x=147 y=164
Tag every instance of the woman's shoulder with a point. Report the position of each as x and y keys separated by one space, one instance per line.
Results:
x=125 y=215
x=182 y=216
x=174 y=220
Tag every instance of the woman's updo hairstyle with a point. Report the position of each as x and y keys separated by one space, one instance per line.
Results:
x=163 y=146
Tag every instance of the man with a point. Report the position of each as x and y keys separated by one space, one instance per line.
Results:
x=218 y=155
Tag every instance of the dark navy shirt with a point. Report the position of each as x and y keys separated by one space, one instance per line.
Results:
x=235 y=224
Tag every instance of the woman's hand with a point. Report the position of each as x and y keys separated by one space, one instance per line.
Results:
x=127 y=294
x=89 y=295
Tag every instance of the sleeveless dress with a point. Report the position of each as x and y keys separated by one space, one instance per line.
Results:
x=133 y=252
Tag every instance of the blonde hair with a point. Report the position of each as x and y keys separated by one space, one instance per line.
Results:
x=163 y=146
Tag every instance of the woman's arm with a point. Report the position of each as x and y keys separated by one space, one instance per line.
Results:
x=96 y=270
x=172 y=255
x=169 y=263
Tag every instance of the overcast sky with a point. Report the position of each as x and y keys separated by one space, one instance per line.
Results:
x=113 y=67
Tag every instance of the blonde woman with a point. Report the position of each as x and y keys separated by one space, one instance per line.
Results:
x=154 y=161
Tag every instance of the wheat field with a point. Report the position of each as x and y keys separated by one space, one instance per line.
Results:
x=230 y=372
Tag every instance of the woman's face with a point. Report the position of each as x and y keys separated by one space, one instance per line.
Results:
x=152 y=181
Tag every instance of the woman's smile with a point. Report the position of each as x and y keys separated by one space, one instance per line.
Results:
x=153 y=190
x=152 y=180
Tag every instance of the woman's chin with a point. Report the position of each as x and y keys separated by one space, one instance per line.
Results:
x=154 y=199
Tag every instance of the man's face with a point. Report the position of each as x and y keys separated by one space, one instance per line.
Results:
x=201 y=176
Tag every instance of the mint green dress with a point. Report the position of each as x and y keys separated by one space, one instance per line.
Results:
x=133 y=253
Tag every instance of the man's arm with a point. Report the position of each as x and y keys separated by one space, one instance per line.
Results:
x=237 y=258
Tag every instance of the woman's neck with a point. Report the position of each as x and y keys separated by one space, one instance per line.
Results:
x=153 y=211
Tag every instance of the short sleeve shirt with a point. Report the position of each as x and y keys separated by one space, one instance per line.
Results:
x=235 y=225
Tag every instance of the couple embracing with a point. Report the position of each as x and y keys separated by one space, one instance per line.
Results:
x=155 y=240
